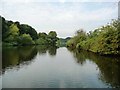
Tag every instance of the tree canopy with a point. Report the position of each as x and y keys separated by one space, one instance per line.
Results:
x=14 y=33
x=104 y=40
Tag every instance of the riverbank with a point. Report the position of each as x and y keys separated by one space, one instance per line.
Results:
x=104 y=40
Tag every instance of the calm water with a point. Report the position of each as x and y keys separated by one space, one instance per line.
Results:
x=50 y=67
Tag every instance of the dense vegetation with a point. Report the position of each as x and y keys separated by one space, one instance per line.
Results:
x=16 y=34
x=62 y=42
x=104 y=40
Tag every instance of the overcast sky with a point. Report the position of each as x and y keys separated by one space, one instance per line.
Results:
x=60 y=15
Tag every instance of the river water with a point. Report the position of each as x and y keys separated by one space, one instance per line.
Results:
x=51 y=67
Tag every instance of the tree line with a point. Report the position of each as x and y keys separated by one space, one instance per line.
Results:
x=104 y=40
x=16 y=34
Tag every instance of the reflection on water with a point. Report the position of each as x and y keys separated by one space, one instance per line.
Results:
x=12 y=57
x=44 y=49
x=107 y=68
x=15 y=56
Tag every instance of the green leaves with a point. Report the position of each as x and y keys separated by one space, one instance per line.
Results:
x=44 y=39
x=14 y=33
x=25 y=39
x=79 y=37
x=41 y=41
x=24 y=28
x=52 y=34
x=14 y=30
x=104 y=40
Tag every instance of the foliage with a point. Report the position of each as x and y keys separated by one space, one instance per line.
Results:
x=104 y=40
x=44 y=39
x=52 y=37
x=41 y=41
x=62 y=42
x=79 y=37
x=25 y=39
x=28 y=30
x=14 y=33
x=52 y=34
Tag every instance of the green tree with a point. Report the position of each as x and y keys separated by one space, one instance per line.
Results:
x=26 y=29
x=80 y=36
x=104 y=40
x=43 y=35
x=25 y=39
x=12 y=34
x=52 y=37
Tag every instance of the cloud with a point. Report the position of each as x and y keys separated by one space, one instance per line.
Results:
x=63 y=17
x=62 y=1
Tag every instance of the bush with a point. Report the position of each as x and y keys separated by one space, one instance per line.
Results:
x=25 y=39
x=104 y=40
x=41 y=41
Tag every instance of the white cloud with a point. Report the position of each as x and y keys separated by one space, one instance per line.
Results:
x=63 y=17
x=62 y=1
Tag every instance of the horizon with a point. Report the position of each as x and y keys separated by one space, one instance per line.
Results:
x=61 y=16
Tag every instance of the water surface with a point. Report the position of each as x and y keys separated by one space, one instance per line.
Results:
x=51 y=67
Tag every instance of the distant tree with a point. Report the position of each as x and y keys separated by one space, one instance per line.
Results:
x=41 y=41
x=52 y=34
x=14 y=33
x=25 y=39
x=17 y=23
x=14 y=30
x=104 y=40
x=80 y=36
x=5 y=29
x=28 y=30
x=52 y=37
x=80 y=31
x=42 y=35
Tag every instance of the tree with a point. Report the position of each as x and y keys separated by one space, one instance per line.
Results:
x=14 y=30
x=28 y=30
x=12 y=34
x=5 y=29
x=52 y=34
x=25 y=39
x=104 y=40
x=42 y=35
x=52 y=37
x=41 y=41
x=80 y=36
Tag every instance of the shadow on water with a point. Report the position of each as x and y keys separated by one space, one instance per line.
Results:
x=14 y=56
x=42 y=50
x=17 y=56
x=109 y=67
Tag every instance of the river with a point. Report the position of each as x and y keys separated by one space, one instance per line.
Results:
x=51 y=67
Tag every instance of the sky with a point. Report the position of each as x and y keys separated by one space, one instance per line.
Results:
x=62 y=16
